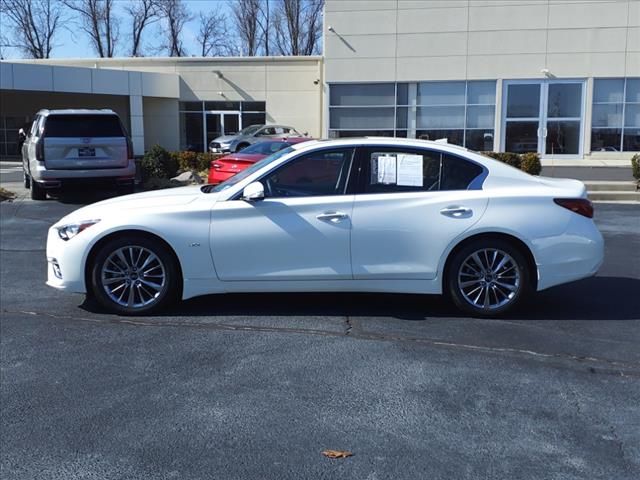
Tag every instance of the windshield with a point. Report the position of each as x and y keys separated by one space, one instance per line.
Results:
x=245 y=173
x=250 y=129
x=265 y=148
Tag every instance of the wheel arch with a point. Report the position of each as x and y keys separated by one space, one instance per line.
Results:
x=512 y=239
x=95 y=248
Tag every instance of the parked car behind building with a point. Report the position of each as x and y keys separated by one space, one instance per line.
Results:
x=76 y=146
x=250 y=135
x=227 y=166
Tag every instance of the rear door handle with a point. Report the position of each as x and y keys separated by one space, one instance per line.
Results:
x=333 y=217
x=457 y=212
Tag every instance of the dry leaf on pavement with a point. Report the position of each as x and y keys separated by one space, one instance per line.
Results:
x=336 y=453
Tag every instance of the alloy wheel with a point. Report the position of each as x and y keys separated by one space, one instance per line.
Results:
x=133 y=276
x=489 y=279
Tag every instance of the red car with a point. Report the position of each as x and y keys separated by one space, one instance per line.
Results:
x=227 y=166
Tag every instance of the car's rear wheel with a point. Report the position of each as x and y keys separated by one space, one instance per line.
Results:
x=134 y=275
x=488 y=278
x=37 y=192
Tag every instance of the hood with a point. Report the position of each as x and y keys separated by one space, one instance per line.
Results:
x=225 y=139
x=157 y=199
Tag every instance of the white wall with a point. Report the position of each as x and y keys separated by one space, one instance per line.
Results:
x=287 y=84
x=403 y=40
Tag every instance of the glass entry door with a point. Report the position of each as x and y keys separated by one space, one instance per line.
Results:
x=543 y=116
x=221 y=123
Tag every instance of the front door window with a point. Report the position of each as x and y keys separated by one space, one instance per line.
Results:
x=544 y=117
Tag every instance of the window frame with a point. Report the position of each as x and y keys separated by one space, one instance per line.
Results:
x=348 y=184
x=362 y=171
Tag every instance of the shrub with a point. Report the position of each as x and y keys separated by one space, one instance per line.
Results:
x=530 y=163
x=635 y=166
x=204 y=161
x=509 y=158
x=187 y=160
x=158 y=163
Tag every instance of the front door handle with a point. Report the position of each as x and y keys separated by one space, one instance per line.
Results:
x=457 y=212
x=333 y=217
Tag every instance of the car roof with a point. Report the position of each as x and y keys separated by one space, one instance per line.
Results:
x=77 y=111
x=496 y=167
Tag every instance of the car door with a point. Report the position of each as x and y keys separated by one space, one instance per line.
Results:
x=299 y=231
x=410 y=204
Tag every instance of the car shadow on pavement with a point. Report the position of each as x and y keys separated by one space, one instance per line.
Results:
x=597 y=298
x=84 y=195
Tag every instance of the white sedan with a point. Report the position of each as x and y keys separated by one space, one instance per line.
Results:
x=374 y=215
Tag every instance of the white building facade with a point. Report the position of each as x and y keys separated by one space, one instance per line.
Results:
x=557 y=77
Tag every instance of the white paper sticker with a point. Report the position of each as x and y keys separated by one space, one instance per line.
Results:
x=410 y=170
x=387 y=169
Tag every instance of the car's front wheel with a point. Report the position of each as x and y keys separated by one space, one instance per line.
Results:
x=134 y=275
x=488 y=278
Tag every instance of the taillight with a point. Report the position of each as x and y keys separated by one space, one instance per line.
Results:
x=581 y=206
x=40 y=150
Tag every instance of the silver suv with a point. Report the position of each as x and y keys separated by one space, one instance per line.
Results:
x=76 y=146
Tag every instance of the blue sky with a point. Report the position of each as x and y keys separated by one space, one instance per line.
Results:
x=72 y=43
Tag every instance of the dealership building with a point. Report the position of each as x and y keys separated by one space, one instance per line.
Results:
x=557 y=77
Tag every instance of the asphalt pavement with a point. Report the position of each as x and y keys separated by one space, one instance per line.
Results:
x=257 y=386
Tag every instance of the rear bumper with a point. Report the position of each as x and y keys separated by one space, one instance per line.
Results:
x=52 y=178
x=216 y=176
x=577 y=253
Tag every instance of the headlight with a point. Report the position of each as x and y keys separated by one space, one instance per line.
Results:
x=67 y=232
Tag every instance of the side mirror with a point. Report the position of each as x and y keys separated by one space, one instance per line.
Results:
x=253 y=192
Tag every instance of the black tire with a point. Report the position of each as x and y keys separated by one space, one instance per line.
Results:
x=498 y=290
x=242 y=146
x=26 y=179
x=132 y=280
x=37 y=192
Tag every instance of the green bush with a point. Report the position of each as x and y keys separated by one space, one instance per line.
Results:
x=186 y=160
x=509 y=158
x=158 y=163
x=635 y=166
x=530 y=163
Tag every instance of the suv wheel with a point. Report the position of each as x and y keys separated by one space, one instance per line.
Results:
x=488 y=278
x=134 y=275
x=37 y=192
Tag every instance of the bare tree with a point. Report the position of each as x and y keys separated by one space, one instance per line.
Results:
x=214 y=34
x=246 y=16
x=34 y=24
x=175 y=15
x=298 y=26
x=143 y=13
x=98 y=21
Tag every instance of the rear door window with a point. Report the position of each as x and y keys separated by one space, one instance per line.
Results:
x=396 y=170
x=83 y=126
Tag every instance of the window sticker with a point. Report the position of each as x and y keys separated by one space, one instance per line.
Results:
x=410 y=170
x=386 y=171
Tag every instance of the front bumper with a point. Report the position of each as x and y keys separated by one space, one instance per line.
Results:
x=65 y=265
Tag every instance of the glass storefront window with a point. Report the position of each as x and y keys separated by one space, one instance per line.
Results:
x=615 y=119
x=454 y=110
x=191 y=129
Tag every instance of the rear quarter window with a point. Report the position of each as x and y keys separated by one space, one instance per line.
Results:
x=83 y=126
x=457 y=173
